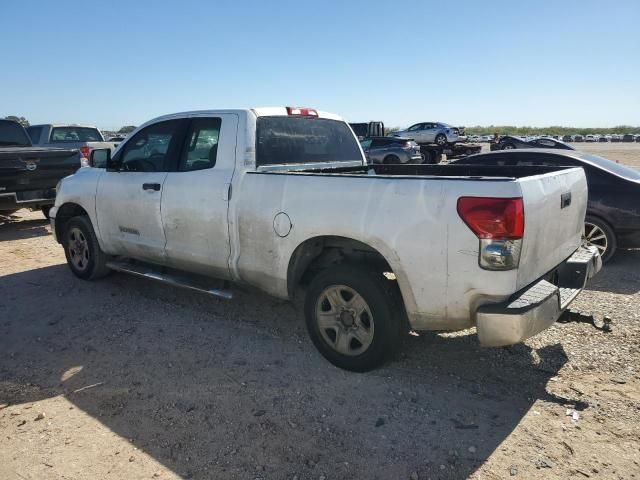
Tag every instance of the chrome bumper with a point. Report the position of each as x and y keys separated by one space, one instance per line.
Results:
x=538 y=306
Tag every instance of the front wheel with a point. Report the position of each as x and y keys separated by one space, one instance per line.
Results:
x=508 y=146
x=599 y=234
x=84 y=256
x=391 y=160
x=441 y=139
x=352 y=317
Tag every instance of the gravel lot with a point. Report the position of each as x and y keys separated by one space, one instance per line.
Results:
x=124 y=379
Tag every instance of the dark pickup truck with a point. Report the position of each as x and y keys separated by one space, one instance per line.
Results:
x=28 y=174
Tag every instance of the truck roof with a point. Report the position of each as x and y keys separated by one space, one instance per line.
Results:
x=258 y=111
x=55 y=125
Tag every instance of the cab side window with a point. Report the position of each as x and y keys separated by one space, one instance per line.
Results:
x=150 y=148
x=201 y=148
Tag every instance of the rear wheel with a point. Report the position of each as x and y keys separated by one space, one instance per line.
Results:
x=45 y=211
x=84 y=256
x=391 y=160
x=599 y=234
x=441 y=139
x=352 y=317
x=508 y=146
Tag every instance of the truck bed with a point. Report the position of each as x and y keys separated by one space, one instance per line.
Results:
x=454 y=172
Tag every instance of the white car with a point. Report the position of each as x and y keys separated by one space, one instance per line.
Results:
x=282 y=199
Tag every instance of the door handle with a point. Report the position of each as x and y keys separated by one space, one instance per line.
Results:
x=151 y=186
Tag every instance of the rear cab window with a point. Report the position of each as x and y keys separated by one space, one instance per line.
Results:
x=12 y=134
x=75 y=134
x=297 y=140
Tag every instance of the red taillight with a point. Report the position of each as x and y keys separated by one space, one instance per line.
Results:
x=85 y=151
x=304 y=112
x=493 y=218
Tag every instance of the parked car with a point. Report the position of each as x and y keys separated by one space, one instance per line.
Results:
x=82 y=137
x=117 y=139
x=590 y=138
x=567 y=138
x=627 y=138
x=28 y=174
x=283 y=199
x=613 y=217
x=578 y=138
x=603 y=139
x=509 y=142
x=391 y=150
x=430 y=132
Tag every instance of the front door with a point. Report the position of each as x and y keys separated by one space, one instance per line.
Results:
x=196 y=196
x=128 y=200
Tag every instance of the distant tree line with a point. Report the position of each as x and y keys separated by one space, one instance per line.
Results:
x=554 y=130
x=21 y=120
x=525 y=131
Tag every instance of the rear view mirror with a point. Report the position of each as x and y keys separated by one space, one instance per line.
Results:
x=100 y=158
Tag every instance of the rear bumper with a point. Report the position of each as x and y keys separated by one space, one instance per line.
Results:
x=538 y=306
x=24 y=199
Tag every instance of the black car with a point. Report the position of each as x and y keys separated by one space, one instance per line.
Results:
x=508 y=142
x=613 y=213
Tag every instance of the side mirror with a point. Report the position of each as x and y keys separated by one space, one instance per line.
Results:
x=100 y=158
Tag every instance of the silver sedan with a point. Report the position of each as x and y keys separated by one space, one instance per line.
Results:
x=430 y=132
x=390 y=150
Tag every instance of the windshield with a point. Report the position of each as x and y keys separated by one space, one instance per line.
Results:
x=281 y=140
x=12 y=134
x=75 y=134
x=612 y=167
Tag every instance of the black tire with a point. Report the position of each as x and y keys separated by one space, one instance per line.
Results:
x=441 y=139
x=385 y=325
x=592 y=237
x=391 y=160
x=508 y=146
x=79 y=231
x=45 y=211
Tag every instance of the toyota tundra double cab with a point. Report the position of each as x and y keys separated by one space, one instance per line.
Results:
x=282 y=199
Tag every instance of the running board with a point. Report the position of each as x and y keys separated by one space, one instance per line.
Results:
x=177 y=279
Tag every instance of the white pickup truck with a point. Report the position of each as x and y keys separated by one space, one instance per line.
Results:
x=282 y=199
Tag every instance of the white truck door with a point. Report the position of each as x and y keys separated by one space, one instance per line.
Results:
x=128 y=200
x=196 y=197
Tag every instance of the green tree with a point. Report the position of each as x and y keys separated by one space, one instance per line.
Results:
x=127 y=129
x=21 y=120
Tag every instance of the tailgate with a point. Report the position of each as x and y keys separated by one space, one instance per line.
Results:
x=554 y=208
x=25 y=169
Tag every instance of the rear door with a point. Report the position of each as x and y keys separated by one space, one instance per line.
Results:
x=128 y=200
x=196 y=195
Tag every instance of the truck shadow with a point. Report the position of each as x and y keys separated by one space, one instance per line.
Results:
x=15 y=228
x=620 y=275
x=217 y=389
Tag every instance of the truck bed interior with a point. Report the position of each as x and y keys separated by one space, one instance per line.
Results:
x=471 y=172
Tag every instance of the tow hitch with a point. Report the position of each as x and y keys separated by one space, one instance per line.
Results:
x=577 y=316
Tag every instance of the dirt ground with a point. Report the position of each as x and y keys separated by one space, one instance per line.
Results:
x=124 y=378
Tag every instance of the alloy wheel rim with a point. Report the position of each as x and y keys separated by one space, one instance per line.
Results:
x=595 y=236
x=78 y=247
x=344 y=320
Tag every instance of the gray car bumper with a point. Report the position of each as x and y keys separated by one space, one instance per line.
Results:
x=540 y=305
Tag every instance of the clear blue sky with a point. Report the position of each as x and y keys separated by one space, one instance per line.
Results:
x=462 y=62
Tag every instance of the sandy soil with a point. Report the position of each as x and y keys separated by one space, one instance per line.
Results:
x=127 y=379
